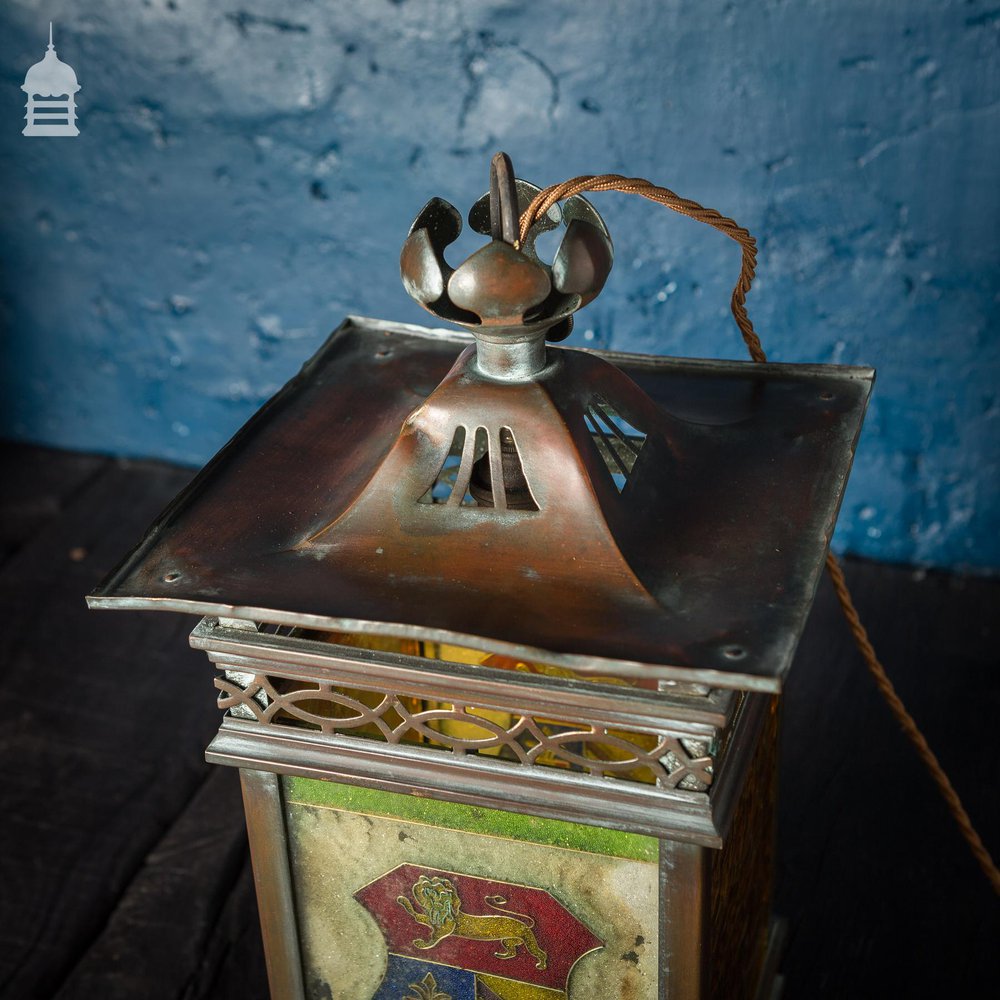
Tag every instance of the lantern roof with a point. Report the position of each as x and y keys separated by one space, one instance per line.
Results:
x=50 y=77
x=612 y=514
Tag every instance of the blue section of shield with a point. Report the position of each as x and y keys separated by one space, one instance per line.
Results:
x=405 y=976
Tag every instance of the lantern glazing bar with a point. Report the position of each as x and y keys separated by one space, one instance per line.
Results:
x=263 y=803
x=477 y=782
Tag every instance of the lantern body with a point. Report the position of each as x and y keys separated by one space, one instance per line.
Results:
x=593 y=808
x=526 y=749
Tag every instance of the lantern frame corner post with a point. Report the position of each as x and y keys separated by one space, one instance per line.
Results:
x=263 y=801
x=684 y=919
x=714 y=945
x=743 y=941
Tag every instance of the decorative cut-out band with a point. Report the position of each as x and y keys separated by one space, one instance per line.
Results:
x=396 y=718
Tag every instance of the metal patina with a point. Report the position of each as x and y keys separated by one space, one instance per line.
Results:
x=522 y=611
x=677 y=510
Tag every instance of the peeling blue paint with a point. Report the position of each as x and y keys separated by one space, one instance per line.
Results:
x=246 y=172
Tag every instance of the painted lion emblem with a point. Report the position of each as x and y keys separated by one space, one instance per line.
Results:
x=442 y=913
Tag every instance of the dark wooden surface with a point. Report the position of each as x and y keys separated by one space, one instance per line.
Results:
x=123 y=861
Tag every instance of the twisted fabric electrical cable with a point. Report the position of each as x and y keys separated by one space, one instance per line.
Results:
x=541 y=204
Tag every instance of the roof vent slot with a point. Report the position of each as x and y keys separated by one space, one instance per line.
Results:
x=478 y=472
x=451 y=485
x=498 y=479
x=617 y=441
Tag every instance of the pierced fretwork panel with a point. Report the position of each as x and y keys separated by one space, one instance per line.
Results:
x=523 y=740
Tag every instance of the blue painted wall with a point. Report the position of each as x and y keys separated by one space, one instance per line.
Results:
x=247 y=170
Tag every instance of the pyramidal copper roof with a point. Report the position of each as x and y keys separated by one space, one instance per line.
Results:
x=669 y=518
x=617 y=514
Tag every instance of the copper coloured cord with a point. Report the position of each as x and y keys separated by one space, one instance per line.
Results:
x=544 y=200
x=909 y=726
x=541 y=203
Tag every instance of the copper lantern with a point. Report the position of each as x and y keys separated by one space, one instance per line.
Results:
x=499 y=629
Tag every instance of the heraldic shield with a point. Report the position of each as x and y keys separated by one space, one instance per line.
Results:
x=402 y=897
x=460 y=937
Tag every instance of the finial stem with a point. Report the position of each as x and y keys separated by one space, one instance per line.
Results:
x=503 y=200
x=51 y=46
x=508 y=361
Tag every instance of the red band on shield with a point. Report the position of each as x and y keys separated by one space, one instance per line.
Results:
x=472 y=923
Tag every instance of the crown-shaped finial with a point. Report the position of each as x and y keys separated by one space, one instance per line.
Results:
x=504 y=293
